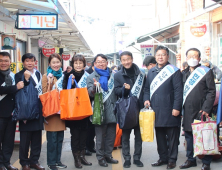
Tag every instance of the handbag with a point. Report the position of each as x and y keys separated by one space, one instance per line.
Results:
x=118 y=136
x=147 y=121
x=98 y=107
x=205 y=138
x=127 y=111
x=50 y=102
x=74 y=103
x=27 y=103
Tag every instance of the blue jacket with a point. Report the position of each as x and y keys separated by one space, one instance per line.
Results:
x=167 y=97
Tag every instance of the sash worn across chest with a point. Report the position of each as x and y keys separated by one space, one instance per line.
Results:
x=12 y=75
x=82 y=81
x=193 y=80
x=58 y=83
x=39 y=84
x=137 y=87
x=160 y=78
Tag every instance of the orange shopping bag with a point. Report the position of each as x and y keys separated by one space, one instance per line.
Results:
x=75 y=104
x=118 y=136
x=50 y=102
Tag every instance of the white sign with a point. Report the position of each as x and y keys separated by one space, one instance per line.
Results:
x=147 y=50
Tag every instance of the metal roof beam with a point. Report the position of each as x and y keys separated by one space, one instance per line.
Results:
x=7 y=12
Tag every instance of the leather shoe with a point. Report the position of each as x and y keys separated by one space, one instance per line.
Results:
x=3 y=168
x=26 y=167
x=127 y=164
x=138 y=163
x=159 y=163
x=37 y=166
x=188 y=164
x=10 y=167
x=171 y=165
x=111 y=160
x=102 y=162
x=88 y=153
x=205 y=167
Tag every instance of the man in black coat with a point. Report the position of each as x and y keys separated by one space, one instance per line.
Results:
x=7 y=105
x=198 y=101
x=30 y=130
x=164 y=91
x=127 y=77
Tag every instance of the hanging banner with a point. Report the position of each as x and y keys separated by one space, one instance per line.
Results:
x=66 y=56
x=8 y=42
x=147 y=50
x=13 y=67
x=48 y=51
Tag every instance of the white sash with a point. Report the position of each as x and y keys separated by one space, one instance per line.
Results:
x=137 y=87
x=82 y=81
x=106 y=94
x=13 y=83
x=58 y=83
x=163 y=75
x=39 y=84
x=193 y=80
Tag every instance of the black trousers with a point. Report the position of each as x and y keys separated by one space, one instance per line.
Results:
x=167 y=152
x=189 y=138
x=78 y=139
x=126 y=144
x=32 y=139
x=90 y=143
x=7 y=137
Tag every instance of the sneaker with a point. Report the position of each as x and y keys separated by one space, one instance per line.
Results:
x=52 y=167
x=127 y=164
x=138 y=163
x=60 y=165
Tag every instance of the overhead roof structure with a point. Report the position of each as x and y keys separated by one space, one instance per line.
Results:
x=67 y=36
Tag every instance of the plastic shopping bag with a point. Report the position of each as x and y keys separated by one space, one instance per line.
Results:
x=146 y=121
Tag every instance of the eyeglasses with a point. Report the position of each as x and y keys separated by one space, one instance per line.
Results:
x=162 y=55
x=101 y=62
x=194 y=56
x=4 y=61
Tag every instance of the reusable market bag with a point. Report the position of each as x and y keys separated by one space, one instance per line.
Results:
x=118 y=136
x=50 y=102
x=127 y=111
x=98 y=107
x=147 y=121
x=27 y=103
x=74 y=103
x=205 y=138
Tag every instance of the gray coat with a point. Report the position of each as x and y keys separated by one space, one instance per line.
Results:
x=109 y=104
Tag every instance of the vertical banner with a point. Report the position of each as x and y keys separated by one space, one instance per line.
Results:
x=13 y=67
x=147 y=50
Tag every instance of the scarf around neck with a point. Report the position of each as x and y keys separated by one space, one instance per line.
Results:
x=159 y=69
x=8 y=79
x=104 y=76
x=57 y=74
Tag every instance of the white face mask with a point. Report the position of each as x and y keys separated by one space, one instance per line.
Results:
x=192 y=62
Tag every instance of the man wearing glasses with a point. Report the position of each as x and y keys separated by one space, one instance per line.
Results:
x=164 y=92
x=198 y=98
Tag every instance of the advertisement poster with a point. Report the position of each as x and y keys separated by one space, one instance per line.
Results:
x=8 y=42
x=147 y=50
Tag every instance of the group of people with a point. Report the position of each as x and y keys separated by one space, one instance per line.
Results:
x=166 y=89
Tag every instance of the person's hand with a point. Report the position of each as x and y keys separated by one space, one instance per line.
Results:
x=27 y=75
x=205 y=113
x=73 y=77
x=175 y=112
x=20 y=85
x=95 y=82
x=127 y=86
x=50 y=78
x=216 y=81
x=147 y=103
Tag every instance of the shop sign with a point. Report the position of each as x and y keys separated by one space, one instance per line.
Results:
x=48 y=51
x=13 y=67
x=198 y=29
x=65 y=56
x=147 y=50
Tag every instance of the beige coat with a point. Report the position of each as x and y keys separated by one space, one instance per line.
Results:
x=54 y=122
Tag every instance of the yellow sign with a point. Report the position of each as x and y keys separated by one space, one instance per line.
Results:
x=57 y=50
x=20 y=66
x=13 y=67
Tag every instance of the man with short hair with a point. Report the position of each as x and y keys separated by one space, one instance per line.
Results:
x=130 y=79
x=30 y=130
x=149 y=62
x=164 y=91
x=6 y=45
x=105 y=133
x=8 y=88
x=198 y=98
